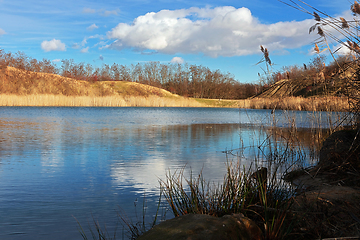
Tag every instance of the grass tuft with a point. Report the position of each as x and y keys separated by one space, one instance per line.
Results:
x=256 y=195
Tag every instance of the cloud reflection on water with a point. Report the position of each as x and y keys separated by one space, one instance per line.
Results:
x=197 y=147
x=59 y=162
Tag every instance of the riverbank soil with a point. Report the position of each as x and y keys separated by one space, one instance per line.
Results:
x=328 y=204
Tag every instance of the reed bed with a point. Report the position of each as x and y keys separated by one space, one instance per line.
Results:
x=339 y=104
x=59 y=100
x=95 y=101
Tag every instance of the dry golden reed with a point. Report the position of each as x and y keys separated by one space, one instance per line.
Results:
x=298 y=103
x=289 y=103
x=91 y=101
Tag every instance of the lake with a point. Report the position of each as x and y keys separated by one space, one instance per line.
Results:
x=61 y=165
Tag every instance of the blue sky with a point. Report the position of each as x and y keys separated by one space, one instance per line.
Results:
x=222 y=34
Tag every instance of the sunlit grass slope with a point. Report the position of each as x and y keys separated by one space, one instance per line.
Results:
x=24 y=88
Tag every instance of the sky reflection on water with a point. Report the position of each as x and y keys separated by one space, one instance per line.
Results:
x=61 y=163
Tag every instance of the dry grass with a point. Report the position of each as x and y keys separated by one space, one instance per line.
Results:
x=126 y=100
x=297 y=103
x=258 y=196
x=94 y=101
x=224 y=103
x=25 y=88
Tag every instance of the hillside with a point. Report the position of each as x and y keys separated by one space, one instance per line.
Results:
x=19 y=82
x=330 y=81
x=26 y=88
x=306 y=87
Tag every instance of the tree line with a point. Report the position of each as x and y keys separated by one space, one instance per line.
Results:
x=182 y=79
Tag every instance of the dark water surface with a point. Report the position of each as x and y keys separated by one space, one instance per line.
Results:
x=58 y=164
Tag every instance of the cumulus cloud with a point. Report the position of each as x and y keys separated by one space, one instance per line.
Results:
x=220 y=31
x=177 y=60
x=92 y=27
x=53 y=45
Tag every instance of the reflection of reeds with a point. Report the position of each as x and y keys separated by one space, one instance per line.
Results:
x=97 y=232
x=93 y=101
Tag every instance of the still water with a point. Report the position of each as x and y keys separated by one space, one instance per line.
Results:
x=63 y=165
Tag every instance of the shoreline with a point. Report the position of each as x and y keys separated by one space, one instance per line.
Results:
x=338 y=104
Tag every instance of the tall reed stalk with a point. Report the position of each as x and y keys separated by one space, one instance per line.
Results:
x=338 y=33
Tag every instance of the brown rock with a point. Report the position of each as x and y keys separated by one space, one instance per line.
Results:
x=340 y=149
x=205 y=227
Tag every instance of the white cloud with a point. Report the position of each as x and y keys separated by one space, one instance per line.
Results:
x=220 y=31
x=177 y=60
x=85 y=50
x=341 y=49
x=56 y=60
x=83 y=43
x=53 y=45
x=2 y=32
x=92 y=27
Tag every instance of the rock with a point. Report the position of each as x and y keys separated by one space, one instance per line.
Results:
x=340 y=148
x=205 y=227
x=340 y=157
